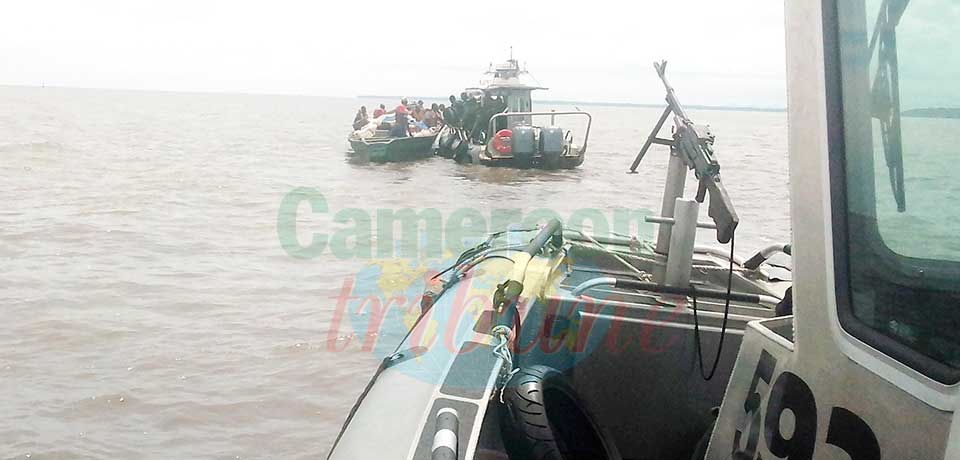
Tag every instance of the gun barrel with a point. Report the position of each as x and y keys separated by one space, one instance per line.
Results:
x=672 y=100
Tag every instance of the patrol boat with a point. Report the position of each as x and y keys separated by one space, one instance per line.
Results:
x=496 y=126
x=590 y=348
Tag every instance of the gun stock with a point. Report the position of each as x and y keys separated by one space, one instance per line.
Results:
x=720 y=208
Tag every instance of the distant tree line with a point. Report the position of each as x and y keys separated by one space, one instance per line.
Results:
x=938 y=112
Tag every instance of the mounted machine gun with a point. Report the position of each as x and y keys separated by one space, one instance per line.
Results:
x=693 y=145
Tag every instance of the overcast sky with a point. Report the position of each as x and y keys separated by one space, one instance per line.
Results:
x=728 y=52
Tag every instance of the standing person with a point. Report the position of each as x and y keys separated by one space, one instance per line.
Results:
x=469 y=118
x=441 y=113
x=361 y=119
x=401 y=128
x=430 y=116
x=379 y=111
x=483 y=114
x=501 y=104
x=452 y=114
x=400 y=108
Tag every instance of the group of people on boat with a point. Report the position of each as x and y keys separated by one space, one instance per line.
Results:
x=408 y=119
x=472 y=113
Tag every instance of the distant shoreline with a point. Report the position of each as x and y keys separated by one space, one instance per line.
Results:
x=932 y=112
x=953 y=113
x=603 y=104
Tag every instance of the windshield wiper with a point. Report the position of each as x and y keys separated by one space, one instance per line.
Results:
x=886 y=93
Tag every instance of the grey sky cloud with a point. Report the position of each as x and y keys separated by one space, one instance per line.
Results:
x=728 y=52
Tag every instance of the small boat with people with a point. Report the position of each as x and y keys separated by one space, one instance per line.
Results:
x=408 y=132
x=550 y=343
x=494 y=124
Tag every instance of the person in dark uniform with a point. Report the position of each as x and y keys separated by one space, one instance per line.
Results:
x=484 y=113
x=469 y=118
x=451 y=115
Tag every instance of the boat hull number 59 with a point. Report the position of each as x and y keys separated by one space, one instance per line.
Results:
x=790 y=399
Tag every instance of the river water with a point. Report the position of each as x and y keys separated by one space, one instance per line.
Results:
x=149 y=307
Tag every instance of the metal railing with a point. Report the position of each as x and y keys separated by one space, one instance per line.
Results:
x=491 y=125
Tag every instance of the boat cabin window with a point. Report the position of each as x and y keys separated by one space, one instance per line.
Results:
x=893 y=68
x=518 y=102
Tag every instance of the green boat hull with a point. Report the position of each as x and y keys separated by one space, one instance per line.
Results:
x=382 y=150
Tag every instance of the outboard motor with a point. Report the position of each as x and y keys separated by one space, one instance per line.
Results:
x=551 y=145
x=522 y=144
x=447 y=144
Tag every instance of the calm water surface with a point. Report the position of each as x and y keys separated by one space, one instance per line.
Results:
x=149 y=309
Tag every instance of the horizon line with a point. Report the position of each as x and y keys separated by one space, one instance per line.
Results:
x=734 y=108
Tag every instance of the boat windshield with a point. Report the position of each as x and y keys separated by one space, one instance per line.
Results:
x=897 y=221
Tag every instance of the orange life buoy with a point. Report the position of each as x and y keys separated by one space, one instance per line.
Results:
x=502 y=141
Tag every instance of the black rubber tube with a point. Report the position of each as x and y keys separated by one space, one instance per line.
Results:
x=699 y=292
x=553 y=227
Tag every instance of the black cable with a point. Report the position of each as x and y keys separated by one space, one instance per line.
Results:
x=469 y=253
x=464 y=256
x=723 y=326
